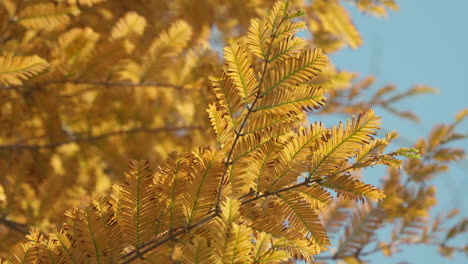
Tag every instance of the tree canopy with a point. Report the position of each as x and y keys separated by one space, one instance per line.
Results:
x=227 y=167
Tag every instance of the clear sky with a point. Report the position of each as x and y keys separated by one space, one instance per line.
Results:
x=426 y=42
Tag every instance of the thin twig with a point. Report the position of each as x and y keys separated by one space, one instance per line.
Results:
x=99 y=83
x=278 y=191
x=79 y=139
x=18 y=227
x=308 y=181
x=148 y=246
x=335 y=256
x=180 y=231
x=244 y=122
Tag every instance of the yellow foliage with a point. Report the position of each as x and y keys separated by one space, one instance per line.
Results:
x=46 y=16
x=87 y=85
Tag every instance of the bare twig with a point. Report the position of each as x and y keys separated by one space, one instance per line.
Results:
x=18 y=227
x=79 y=139
x=359 y=254
x=308 y=181
x=99 y=83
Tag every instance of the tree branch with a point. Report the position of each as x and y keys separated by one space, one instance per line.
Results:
x=171 y=235
x=278 y=191
x=18 y=227
x=308 y=181
x=250 y=110
x=100 y=83
x=334 y=257
x=79 y=139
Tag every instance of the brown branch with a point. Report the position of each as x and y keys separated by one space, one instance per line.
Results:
x=171 y=235
x=150 y=245
x=244 y=121
x=100 y=83
x=18 y=227
x=335 y=256
x=308 y=181
x=279 y=191
x=79 y=139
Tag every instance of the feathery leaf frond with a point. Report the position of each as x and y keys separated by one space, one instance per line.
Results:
x=288 y=47
x=206 y=167
x=343 y=144
x=171 y=181
x=351 y=188
x=296 y=70
x=334 y=19
x=302 y=218
x=302 y=97
x=167 y=44
x=318 y=198
x=265 y=251
x=172 y=41
x=14 y=69
x=130 y=23
x=241 y=72
x=136 y=213
x=46 y=16
x=263 y=120
x=369 y=154
x=228 y=96
x=291 y=160
x=197 y=251
x=221 y=123
x=258 y=38
x=365 y=220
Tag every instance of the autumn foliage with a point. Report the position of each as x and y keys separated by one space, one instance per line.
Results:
x=230 y=169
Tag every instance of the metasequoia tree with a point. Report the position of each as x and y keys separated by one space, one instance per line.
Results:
x=87 y=85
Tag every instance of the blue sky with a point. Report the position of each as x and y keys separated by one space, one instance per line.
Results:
x=425 y=42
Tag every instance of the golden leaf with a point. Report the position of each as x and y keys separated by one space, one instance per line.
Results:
x=14 y=69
